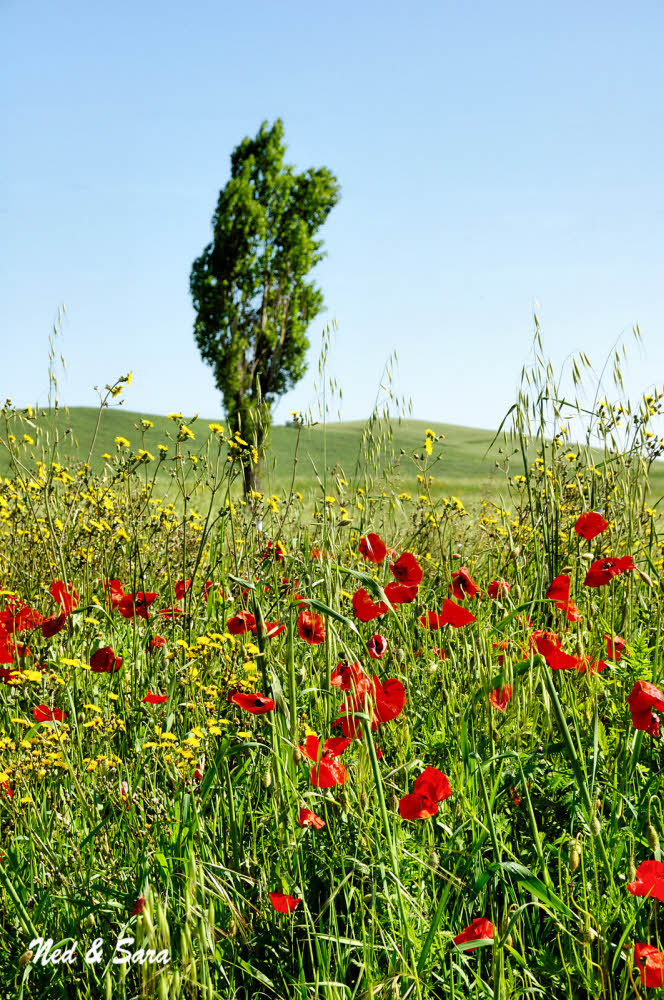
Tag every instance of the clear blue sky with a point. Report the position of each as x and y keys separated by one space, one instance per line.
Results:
x=490 y=155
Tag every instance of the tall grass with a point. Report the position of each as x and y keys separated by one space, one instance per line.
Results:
x=190 y=807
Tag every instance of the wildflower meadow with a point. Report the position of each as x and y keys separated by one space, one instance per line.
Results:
x=346 y=743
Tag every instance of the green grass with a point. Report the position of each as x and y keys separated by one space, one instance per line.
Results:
x=467 y=468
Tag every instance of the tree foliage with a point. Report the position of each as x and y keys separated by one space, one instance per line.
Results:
x=249 y=287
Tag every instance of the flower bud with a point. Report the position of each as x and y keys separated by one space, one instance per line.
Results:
x=297 y=755
x=574 y=855
x=267 y=777
x=25 y=958
x=595 y=826
x=652 y=837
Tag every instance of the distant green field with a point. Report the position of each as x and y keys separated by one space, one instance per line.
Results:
x=467 y=468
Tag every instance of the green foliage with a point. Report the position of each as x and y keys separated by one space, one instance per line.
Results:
x=249 y=286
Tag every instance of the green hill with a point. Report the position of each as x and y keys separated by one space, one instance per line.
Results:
x=465 y=469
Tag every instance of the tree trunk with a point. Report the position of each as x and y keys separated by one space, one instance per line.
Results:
x=251 y=474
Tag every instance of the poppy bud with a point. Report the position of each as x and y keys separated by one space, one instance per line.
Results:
x=364 y=800
x=368 y=898
x=25 y=958
x=644 y=576
x=595 y=826
x=267 y=777
x=434 y=858
x=400 y=654
x=89 y=921
x=297 y=755
x=588 y=556
x=652 y=837
x=567 y=569
x=394 y=802
x=587 y=934
x=631 y=870
x=574 y=855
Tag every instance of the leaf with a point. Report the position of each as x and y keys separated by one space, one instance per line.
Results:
x=324 y=609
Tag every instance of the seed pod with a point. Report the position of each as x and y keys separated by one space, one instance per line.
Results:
x=652 y=837
x=574 y=855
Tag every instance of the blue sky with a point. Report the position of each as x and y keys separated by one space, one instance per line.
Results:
x=490 y=156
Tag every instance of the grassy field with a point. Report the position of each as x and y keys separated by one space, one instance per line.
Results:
x=352 y=747
x=468 y=467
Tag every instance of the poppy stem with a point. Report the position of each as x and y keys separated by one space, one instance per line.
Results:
x=369 y=743
x=576 y=766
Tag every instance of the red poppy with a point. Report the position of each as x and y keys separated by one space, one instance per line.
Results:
x=350 y=675
x=500 y=697
x=497 y=587
x=481 y=929
x=649 y=880
x=603 y=571
x=283 y=903
x=373 y=548
x=452 y=614
x=365 y=608
x=389 y=701
x=615 y=647
x=643 y=699
x=170 y=613
x=327 y=771
x=463 y=585
x=309 y=818
x=136 y=604
x=590 y=525
x=399 y=593
x=156 y=642
x=104 y=661
x=257 y=704
x=240 y=623
x=431 y=788
x=181 y=588
x=548 y=645
x=114 y=591
x=155 y=699
x=207 y=587
x=42 y=713
x=311 y=627
x=276 y=549
x=407 y=570
x=65 y=595
x=592 y=666
x=138 y=907
x=8 y=789
x=377 y=646
x=558 y=592
x=319 y=554
x=20 y=618
x=651 y=965
x=272 y=629
x=54 y=624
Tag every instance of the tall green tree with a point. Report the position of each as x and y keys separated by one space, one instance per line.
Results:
x=249 y=287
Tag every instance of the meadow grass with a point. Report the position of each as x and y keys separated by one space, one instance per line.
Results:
x=171 y=821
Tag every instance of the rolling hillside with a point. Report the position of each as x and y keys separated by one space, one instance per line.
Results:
x=465 y=469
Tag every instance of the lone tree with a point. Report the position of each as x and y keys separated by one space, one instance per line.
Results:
x=252 y=300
